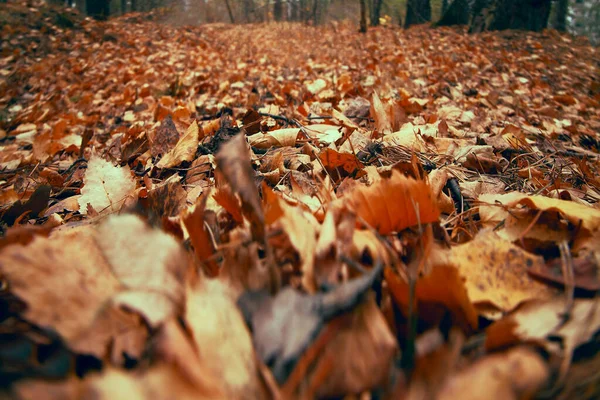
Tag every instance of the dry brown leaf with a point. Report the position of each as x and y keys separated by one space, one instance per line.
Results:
x=576 y=213
x=276 y=138
x=184 y=150
x=362 y=354
x=517 y=374
x=301 y=229
x=442 y=287
x=543 y=321
x=200 y=237
x=106 y=187
x=165 y=138
x=233 y=160
x=71 y=280
x=382 y=121
x=495 y=272
x=222 y=339
x=392 y=204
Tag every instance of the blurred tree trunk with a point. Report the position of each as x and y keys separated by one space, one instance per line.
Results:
x=363 y=16
x=444 y=6
x=247 y=7
x=81 y=7
x=229 y=11
x=123 y=6
x=304 y=14
x=278 y=10
x=294 y=12
x=531 y=15
x=560 y=19
x=417 y=12
x=376 y=12
x=457 y=14
x=315 y=12
x=98 y=9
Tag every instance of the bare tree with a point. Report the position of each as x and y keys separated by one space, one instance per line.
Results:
x=560 y=18
x=417 y=12
x=444 y=6
x=278 y=10
x=98 y=9
x=363 y=16
x=229 y=11
x=530 y=15
x=315 y=12
x=458 y=13
x=375 y=12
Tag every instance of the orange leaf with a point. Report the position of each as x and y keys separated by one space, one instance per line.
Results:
x=203 y=248
x=391 y=204
x=331 y=159
x=443 y=286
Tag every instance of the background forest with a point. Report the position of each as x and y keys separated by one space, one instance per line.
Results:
x=580 y=17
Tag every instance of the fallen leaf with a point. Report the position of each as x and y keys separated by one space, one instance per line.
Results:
x=394 y=204
x=77 y=288
x=442 y=287
x=165 y=138
x=284 y=326
x=184 y=150
x=276 y=138
x=517 y=374
x=105 y=186
x=495 y=272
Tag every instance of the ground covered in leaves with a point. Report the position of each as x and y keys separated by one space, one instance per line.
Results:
x=283 y=211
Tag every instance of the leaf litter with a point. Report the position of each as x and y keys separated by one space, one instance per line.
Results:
x=225 y=212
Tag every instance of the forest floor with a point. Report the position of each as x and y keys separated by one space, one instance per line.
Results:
x=285 y=211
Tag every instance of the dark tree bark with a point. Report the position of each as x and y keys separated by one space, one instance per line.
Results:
x=363 y=16
x=304 y=15
x=417 y=12
x=376 y=12
x=560 y=19
x=278 y=10
x=229 y=11
x=294 y=10
x=247 y=6
x=315 y=12
x=123 y=6
x=98 y=9
x=457 y=14
x=531 y=15
x=444 y=6
x=134 y=5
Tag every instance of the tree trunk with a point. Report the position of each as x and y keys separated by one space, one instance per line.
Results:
x=531 y=15
x=457 y=14
x=376 y=12
x=315 y=12
x=229 y=11
x=123 y=6
x=278 y=10
x=417 y=12
x=294 y=12
x=363 y=16
x=98 y=9
x=247 y=7
x=444 y=6
x=560 y=19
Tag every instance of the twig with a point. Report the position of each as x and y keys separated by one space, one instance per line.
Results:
x=569 y=277
x=282 y=118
